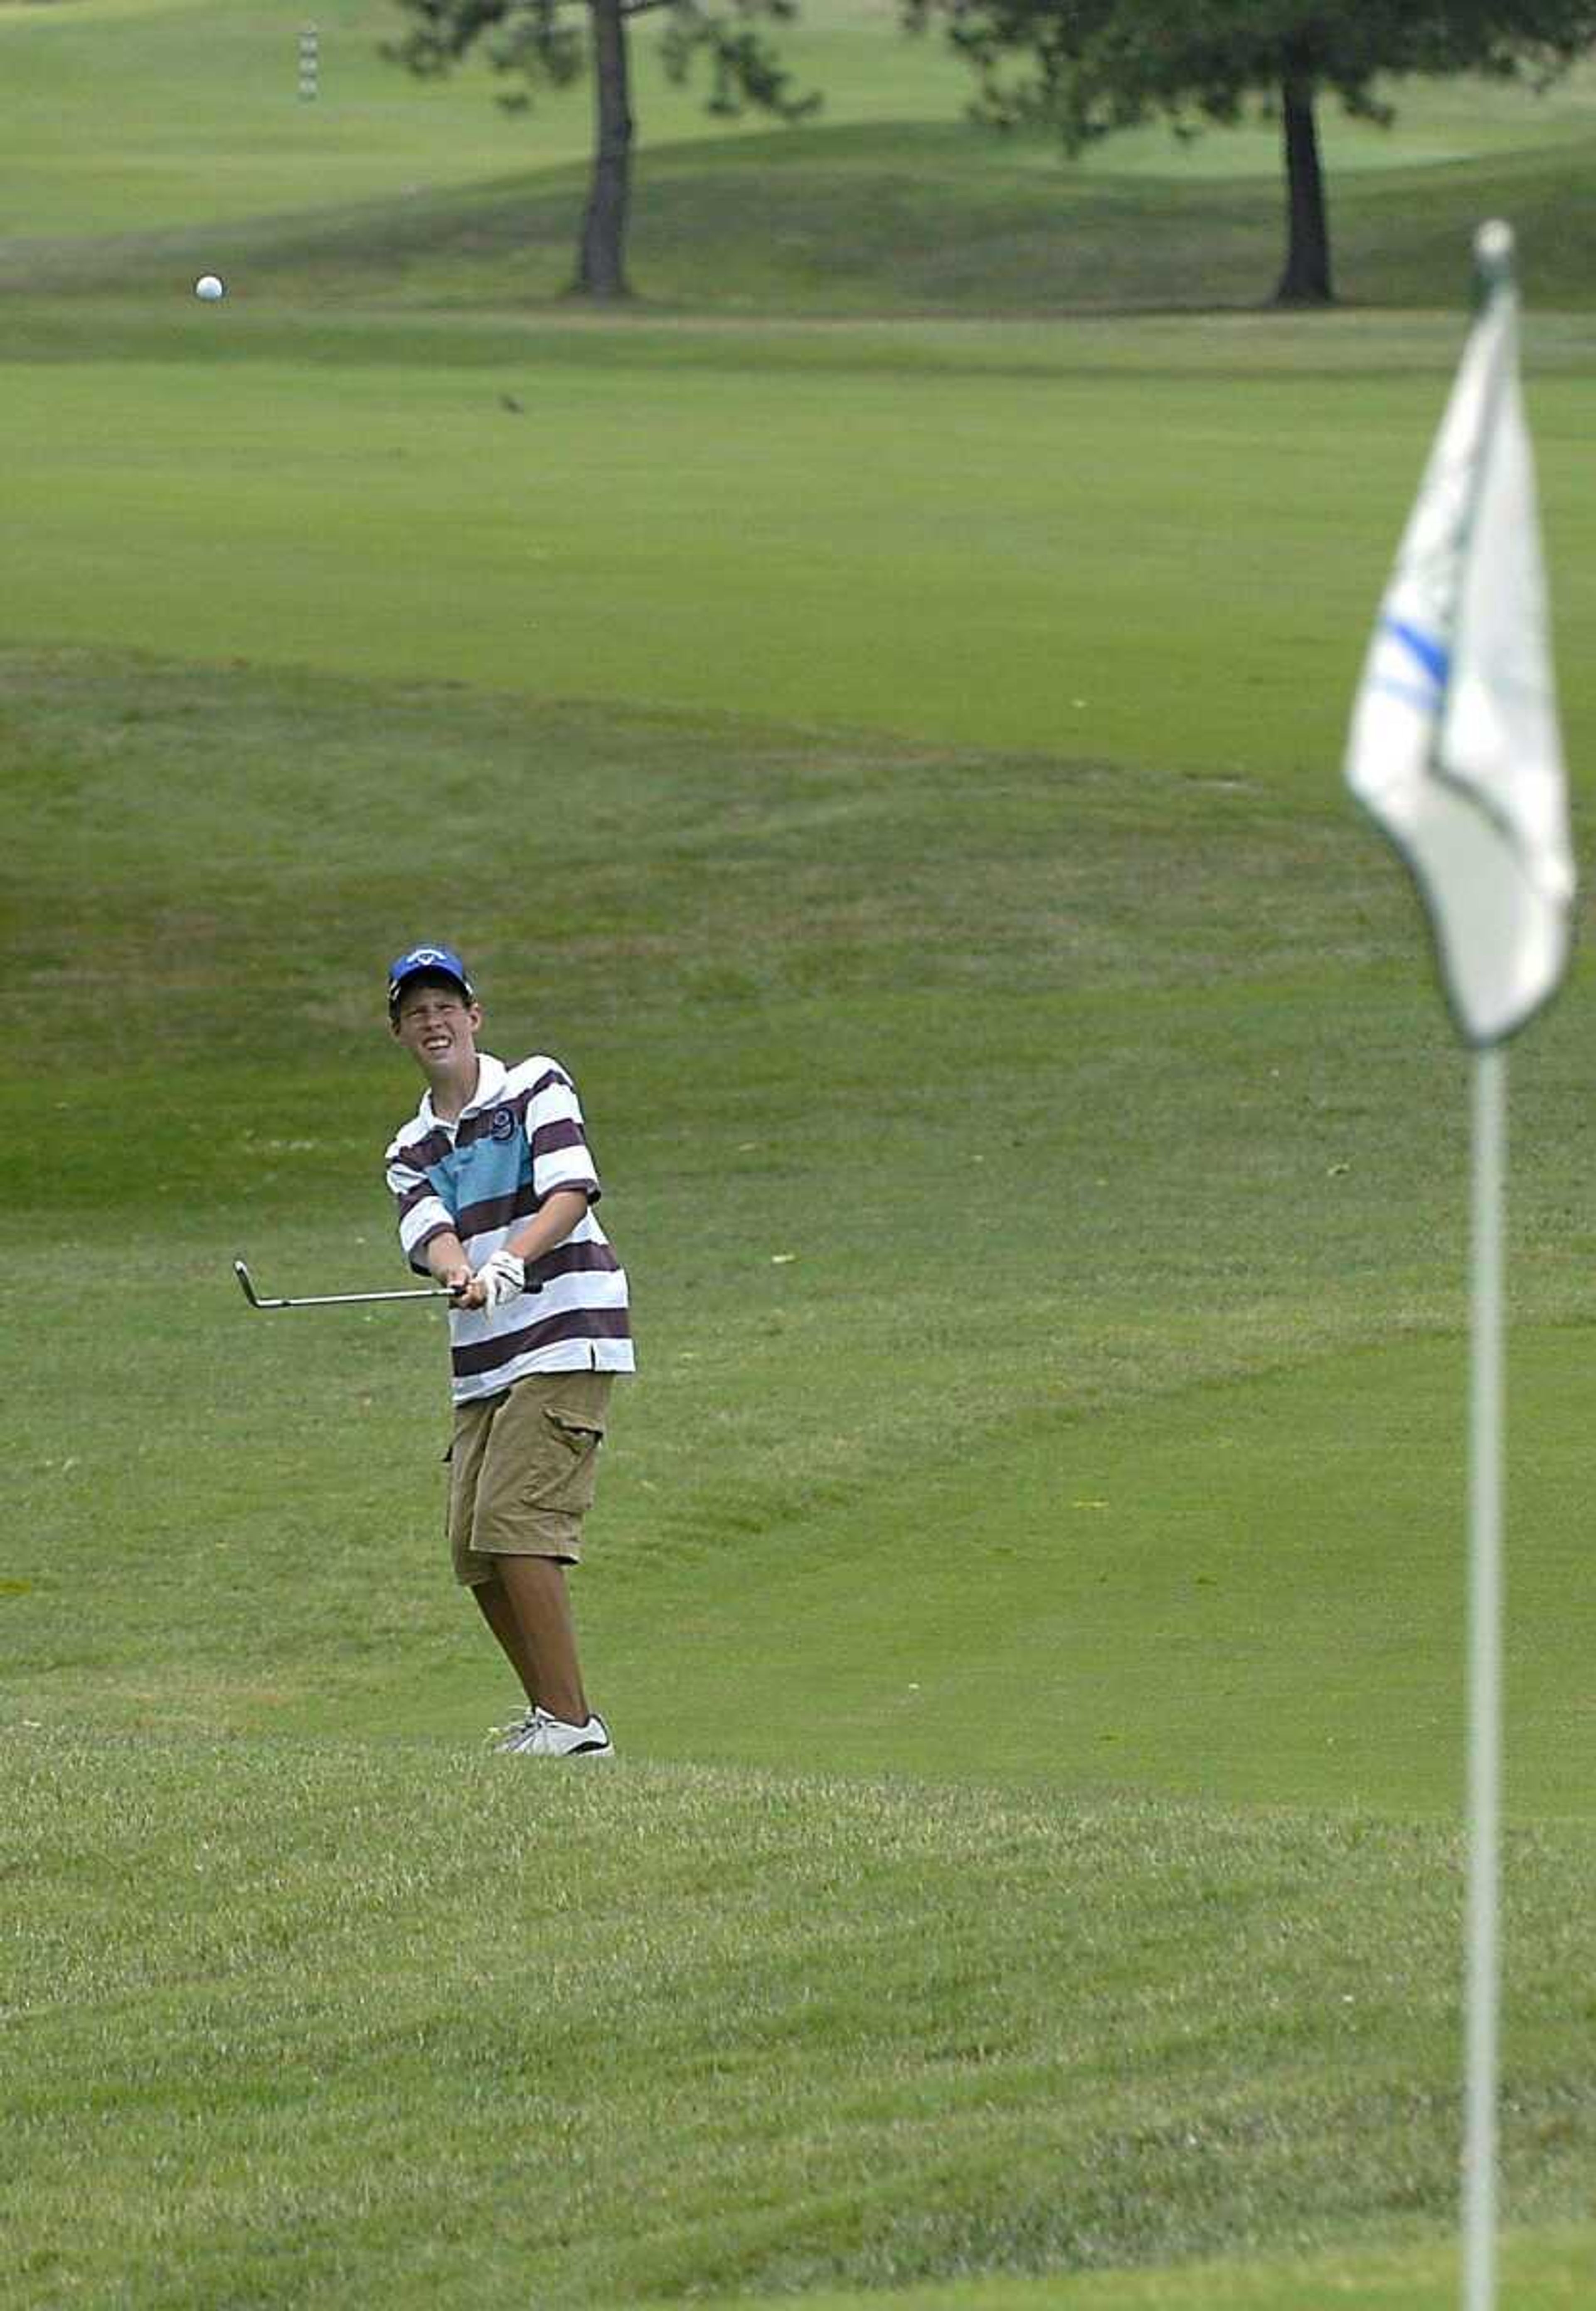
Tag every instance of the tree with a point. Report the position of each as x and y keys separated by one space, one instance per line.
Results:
x=1089 y=67
x=543 y=44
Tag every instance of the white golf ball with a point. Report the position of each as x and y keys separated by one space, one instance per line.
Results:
x=208 y=287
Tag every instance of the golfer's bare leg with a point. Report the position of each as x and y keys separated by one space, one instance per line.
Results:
x=540 y=1603
x=499 y=1614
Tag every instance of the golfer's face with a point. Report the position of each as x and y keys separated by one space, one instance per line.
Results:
x=438 y=1027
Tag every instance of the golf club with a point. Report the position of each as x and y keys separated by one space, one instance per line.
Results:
x=341 y=1299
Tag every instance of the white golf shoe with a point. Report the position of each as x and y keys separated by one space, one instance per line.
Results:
x=511 y=1736
x=552 y=1737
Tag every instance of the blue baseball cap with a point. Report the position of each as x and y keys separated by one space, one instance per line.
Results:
x=421 y=960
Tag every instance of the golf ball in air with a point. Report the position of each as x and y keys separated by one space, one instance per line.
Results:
x=208 y=287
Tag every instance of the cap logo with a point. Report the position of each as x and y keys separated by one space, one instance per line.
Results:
x=428 y=958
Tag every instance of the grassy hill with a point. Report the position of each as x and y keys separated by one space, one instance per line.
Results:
x=921 y=218
x=203 y=96
x=391 y=190
x=886 y=742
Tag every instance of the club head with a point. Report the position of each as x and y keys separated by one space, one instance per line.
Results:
x=245 y=1283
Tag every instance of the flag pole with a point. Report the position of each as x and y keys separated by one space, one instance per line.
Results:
x=1485 y=1680
x=1456 y=754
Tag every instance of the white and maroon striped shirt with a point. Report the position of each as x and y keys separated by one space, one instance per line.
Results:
x=520 y=1140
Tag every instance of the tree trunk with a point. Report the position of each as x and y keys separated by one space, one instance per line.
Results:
x=601 y=265
x=1306 y=279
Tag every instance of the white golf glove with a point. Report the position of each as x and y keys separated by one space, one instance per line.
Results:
x=502 y=1277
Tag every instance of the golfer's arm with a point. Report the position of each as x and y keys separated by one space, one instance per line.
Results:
x=549 y=1226
x=446 y=1257
x=446 y=1254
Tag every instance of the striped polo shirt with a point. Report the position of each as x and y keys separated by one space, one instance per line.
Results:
x=520 y=1140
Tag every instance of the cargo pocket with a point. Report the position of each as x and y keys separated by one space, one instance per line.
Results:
x=576 y=1444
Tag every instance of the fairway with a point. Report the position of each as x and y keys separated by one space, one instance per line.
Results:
x=831 y=498
x=874 y=711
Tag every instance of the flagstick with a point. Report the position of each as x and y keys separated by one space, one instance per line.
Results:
x=1485 y=1681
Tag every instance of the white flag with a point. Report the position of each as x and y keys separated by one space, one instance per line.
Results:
x=1454 y=747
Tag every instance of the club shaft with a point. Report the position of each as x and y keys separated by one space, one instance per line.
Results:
x=240 y=1269
x=355 y=1299
x=341 y=1299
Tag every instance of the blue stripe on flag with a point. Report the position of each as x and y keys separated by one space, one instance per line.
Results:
x=1434 y=656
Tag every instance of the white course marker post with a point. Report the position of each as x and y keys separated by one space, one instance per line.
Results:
x=309 y=64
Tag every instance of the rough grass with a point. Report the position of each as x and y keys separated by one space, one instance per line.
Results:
x=312 y=2025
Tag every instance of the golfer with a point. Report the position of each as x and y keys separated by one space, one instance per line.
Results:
x=496 y=1189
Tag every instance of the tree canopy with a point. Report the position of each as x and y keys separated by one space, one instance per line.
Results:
x=548 y=44
x=1090 y=67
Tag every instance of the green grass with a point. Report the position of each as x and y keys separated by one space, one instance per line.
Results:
x=893 y=757
x=394 y=190
x=189 y=110
x=1549 y=2269
x=232 y=490
x=661 y=2032
x=868 y=219
x=1153 y=1060
x=210 y=100
x=208 y=123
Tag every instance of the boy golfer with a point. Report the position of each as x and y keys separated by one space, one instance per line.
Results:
x=495 y=1190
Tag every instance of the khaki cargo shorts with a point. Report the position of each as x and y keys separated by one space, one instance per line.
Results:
x=522 y=1468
